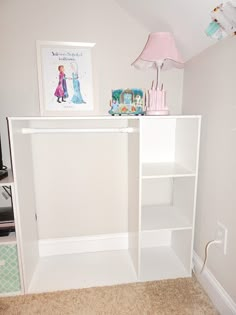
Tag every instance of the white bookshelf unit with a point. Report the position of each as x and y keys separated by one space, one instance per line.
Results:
x=104 y=200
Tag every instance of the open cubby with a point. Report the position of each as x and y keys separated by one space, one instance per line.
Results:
x=170 y=259
x=168 y=203
x=169 y=147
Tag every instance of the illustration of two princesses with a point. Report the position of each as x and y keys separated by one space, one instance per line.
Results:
x=61 y=91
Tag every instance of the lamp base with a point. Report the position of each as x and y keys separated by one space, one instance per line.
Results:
x=163 y=112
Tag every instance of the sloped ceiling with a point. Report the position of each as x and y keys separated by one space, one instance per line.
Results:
x=186 y=19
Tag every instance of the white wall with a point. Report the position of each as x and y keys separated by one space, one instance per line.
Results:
x=209 y=89
x=187 y=20
x=119 y=39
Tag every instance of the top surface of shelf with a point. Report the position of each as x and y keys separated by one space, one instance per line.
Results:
x=161 y=170
x=7 y=181
x=101 y=117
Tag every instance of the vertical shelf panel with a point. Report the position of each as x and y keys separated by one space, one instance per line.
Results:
x=24 y=203
x=158 y=140
x=186 y=139
x=183 y=196
x=134 y=195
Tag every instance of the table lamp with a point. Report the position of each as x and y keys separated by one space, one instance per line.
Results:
x=159 y=53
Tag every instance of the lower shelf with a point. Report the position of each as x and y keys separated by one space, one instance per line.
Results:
x=164 y=170
x=158 y=263
x=82 y=271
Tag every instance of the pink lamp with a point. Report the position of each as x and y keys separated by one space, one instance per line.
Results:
x=159 y=53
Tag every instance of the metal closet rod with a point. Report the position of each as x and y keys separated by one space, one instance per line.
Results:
x=80 y=130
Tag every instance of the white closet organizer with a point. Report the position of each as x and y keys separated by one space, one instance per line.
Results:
x=104 y=200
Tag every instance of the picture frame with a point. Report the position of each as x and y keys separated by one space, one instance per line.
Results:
x=65 y=78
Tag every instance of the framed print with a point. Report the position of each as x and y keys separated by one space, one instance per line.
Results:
x=65 y=78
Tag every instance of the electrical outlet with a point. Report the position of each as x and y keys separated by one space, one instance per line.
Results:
x=221 y=234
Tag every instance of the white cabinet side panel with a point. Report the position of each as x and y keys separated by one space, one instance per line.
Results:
x=187 y=136
x=183 y=196
x=24 y=202
x=158 y=140
x=134 y=197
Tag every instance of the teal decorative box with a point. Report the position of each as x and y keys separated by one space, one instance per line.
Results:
x=9 y=269
x=127 y=102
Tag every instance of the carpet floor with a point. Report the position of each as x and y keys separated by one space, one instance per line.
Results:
x=167 y=297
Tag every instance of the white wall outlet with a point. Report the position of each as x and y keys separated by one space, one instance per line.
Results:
x=222 y=234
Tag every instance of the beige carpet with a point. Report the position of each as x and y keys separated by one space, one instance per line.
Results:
x=175 y=297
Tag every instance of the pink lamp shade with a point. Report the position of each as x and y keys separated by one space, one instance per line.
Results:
x=159 y=51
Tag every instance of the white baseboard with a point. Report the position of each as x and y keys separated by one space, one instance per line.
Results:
x=220 y=298
x=83 y=244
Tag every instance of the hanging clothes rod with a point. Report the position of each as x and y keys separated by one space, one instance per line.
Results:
x=81 y=130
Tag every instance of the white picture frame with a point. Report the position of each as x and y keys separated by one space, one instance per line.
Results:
x=65 y=78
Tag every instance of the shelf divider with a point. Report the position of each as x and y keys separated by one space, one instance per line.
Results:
x=165 y=170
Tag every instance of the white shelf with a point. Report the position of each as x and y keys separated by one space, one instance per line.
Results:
x=8 y=240
x=82 y=271
x=7 y=181
x=163 y=217
x=160 y=263
x=164 y=170
x=109 y=117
